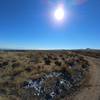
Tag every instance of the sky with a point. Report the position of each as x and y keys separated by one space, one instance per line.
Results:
x=30 y=24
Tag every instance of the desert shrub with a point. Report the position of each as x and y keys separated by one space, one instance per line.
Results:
x=70 y=63
x=27 y=94
x=86 y=63
x=1 y=65
x=16 y=64
x=45 y=58
x=13 y=60
x=58 y=63
x=50 y=57
x=63 y=58
x=13 y=92
x=95 y=54
x=5 y=63
x=2 y=91
x=34 y=60
x=77 y=60
x=1 y=57
x=60 y=55
x=47 y=62
x=71 y=72
x=28 y=69
x=39 y=67
x=84 y=66
x=30 y=55
x=63 y=69
x=16 y=73
x=55 y=58
x=81 y=58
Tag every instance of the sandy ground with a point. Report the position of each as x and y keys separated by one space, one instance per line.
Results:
x=92 y=90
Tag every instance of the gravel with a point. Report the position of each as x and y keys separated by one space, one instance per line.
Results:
x=53 y=84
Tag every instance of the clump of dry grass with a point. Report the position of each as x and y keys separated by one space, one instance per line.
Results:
x=17 y=67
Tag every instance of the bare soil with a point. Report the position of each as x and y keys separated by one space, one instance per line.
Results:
x=92 y=88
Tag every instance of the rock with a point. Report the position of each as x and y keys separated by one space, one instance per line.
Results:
x=53 y=94
x=54 y=84
x=66 y=85
x=48 y=97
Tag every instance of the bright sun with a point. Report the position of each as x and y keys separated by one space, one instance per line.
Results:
x=59 y=13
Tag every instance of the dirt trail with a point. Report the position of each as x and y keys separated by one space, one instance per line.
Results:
x=92 y=91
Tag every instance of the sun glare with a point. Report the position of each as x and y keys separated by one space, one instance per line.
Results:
x=59 y=13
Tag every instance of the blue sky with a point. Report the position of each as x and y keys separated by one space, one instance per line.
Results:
x=27 y=24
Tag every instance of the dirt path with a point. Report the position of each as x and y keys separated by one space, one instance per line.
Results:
x=92 y=91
